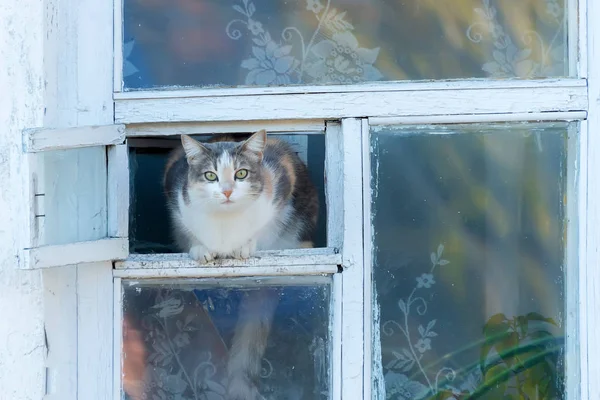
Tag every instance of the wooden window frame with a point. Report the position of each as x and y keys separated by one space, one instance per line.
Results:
x=91 y=370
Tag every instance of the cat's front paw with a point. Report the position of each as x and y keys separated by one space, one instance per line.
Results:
x=201 y=254
x=245 y=251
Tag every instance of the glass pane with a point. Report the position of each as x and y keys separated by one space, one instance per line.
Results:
x=210 y=339
x=469 y=261
x=225 y=43
x=74 y=191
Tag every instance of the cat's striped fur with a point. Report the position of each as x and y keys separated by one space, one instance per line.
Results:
x=274 y=207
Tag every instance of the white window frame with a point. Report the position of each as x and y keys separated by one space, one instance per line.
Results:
x=79 y=297
x=571 y=276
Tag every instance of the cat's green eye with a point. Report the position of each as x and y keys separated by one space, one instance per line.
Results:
x=241 y=174
x=210 y=176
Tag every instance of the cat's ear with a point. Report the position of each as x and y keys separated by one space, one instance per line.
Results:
x=194 y=150
x=255 y=144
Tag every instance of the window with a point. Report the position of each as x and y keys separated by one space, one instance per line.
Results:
x=154 y=290
x=455 y=244
x=493 y=197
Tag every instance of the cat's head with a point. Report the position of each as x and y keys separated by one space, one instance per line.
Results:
x=226 y=176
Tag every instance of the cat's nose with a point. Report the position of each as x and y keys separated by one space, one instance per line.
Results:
x=227 y=193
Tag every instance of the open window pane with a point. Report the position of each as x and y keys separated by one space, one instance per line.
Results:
x=150 y=226
x=181 y=338
x=216 y=43
x=469 y=260
x=74 y=195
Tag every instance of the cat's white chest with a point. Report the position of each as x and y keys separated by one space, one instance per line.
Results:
x=226 y=232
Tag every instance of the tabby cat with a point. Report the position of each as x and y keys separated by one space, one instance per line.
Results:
x=228 y=199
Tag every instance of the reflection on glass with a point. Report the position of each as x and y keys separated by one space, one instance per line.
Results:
x=179 y=339
x=267 y=43
x=469 y=246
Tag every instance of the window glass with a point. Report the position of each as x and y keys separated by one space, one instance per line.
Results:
x=183 y=339
x=469 y=260
x=74 y=195
x=227 y=43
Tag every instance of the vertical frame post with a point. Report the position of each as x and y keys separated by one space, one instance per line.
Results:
x=589 y=208
x=352 y=258
x=117 y=337
x=578 y=37
x=571 y=262
x=118 y=46
x=369 y=304
x=334 y=170
x=118 y=191
x=575 y=29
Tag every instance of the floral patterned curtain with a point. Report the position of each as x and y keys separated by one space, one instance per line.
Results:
x=217 y=43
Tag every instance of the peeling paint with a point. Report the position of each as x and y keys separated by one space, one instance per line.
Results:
x=21 y=104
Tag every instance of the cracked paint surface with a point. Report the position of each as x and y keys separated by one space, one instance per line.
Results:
x=21 y=105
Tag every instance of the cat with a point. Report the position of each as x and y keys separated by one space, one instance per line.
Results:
x=227 y=199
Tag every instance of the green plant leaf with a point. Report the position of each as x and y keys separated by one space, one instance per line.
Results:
x=494 y=383
x=496 y=324
x=533 y=316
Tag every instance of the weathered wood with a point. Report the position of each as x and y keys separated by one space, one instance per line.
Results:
x=480 y=118
x=75 y=253
x=22 y=348
x=429 y=99
x=589 y=210
x=571 y=260
x=117 y=325
x=365 y=87
x=199 y=128
x=334 y=187
x=118 y=191
x=334 y=184
x=94 y=330
x=352 y=260
x=117 y=44
x=369 y=312
x=226 y=272
x=318 y=256
x=45 y=139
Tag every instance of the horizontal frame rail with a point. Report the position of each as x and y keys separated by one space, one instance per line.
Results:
x=76 y=253
x=309 y=126
x=482 y=83
x=380 y=100
x=480 y=118
x=46 y=139
x=226 y=272
x=283 y=258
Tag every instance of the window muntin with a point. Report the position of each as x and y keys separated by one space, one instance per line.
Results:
x=212 y=107
x=469 y=259
x=269 y=43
